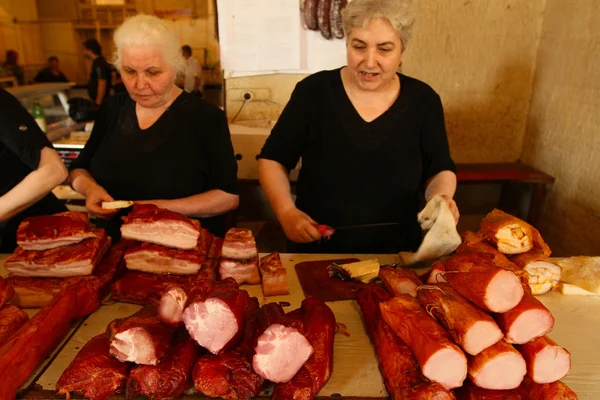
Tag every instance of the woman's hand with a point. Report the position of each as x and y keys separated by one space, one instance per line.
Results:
x=453 y=207
x=299 y=227
x=94 y=197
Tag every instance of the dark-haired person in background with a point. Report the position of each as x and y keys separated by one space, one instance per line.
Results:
x=100 y=76
x=12 y=67
x=51 y=73
x=192 y=80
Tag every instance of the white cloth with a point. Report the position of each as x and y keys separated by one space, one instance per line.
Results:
x=191 y=71
x=442 y=238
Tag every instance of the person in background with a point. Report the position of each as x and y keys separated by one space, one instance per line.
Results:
x=12 y=67
x=30 y=170
x=99 y=84
x=372 y=142
x=156 y=143
x=51 y=73
x=192 y=80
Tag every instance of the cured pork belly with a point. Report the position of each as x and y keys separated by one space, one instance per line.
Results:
x=157 y=259
x=49 y=231
x=239 y=244
x=241 y=271
x=148 y=223
x=94 y=373
x=74 y=260
x=544 y=275
x=511 y=235
x=274 y=276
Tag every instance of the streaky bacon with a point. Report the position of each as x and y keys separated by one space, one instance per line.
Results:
x=152 y=258
x=239 y=244
x=49 y=231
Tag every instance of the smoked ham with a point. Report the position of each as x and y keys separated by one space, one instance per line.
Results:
x=140 y=338
x=528 y=320
x=487 y=286
x=11 y=319
x=471 y=328
x=400 y=280
x=274 y=275
x=6 y=291
x=49 y=231
x=152 y=258
x=150 y=224
x=439 y=358
x=319 y=329
x=74 y=260
x=436 y=274
x=281 y=349
x=229 y=375
x=27 y=348
x=214 y=315
x=242 y=271
x=141 y=288
x=398 y=366
x=94 y=373
x=471 y=392
x=499 y=367
x=544 y=275
x=546 y=361
x=171 y=377
x=554 y=391
x=239 y=244
x=511 y=235
x=171 y=305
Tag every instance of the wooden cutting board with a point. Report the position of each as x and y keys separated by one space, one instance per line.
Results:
x=316 y=283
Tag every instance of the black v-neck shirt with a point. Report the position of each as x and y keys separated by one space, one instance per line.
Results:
x=187 y=151
x=358 y=172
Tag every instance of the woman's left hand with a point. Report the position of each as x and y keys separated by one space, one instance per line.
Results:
x=453 y=207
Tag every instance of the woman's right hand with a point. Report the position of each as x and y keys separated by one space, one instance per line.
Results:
x=299 y=227
x=94 y=197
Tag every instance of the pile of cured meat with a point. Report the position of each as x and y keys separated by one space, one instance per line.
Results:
x=474 y=328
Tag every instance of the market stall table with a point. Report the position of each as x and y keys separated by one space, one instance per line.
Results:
x=355 y=367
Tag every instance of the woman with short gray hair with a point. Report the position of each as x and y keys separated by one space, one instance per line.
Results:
x=372 y=143
x=157 y=144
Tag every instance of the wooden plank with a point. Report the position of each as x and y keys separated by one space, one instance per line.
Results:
x=501 y=172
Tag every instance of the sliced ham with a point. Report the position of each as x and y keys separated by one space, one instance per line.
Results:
x=398 y=366
x=471 y=328
x=171 y=305
x=11 y=319
x=281 y=349
x=400 y=280
x=546 y=361
x=528 y=320
x=510 y=234
x=7 y=292
x=239 y=244
x=152 y=258
x=487 y=286
x=499 y=367
x=94 y=373
x=148 y=223
x=436 y=275
x=547 y=391
x=242 y=271
x=215 y=313
x=274 y=276
x=544 y=275
x=140 y=338
x=439 y=358
x=75 y=260
x=49 y=231
x=142 y=288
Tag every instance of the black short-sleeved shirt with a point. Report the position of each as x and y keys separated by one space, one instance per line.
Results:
x=358 y=172
x=187 y=151
x=21 y=143
x=101 y=69
x=46 y=75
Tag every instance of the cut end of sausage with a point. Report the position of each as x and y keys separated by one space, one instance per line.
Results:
x=529 y=325
x=280 y=352
x=210 y=323
x=503 y=372
x=551 y=364
x=504 y=292
x=480 y=336
x=448 y=367
x=134 y=345
x=172 y=302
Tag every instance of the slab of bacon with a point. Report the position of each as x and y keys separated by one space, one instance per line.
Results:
x=49 y=231
x=274 y=276
x=242 y=271
x=239 y=244
x=152 y=258
x=148 y=223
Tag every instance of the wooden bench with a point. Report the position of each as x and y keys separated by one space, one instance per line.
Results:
x=509 y=172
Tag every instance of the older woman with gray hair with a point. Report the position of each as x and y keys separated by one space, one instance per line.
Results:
x=157 y=144
x=372 y=142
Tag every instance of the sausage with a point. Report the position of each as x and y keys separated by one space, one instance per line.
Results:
x=310 y=14
x=323 y=18
x=335 y=18
x=499 y=367
x=546 y=361
x=400 y=280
